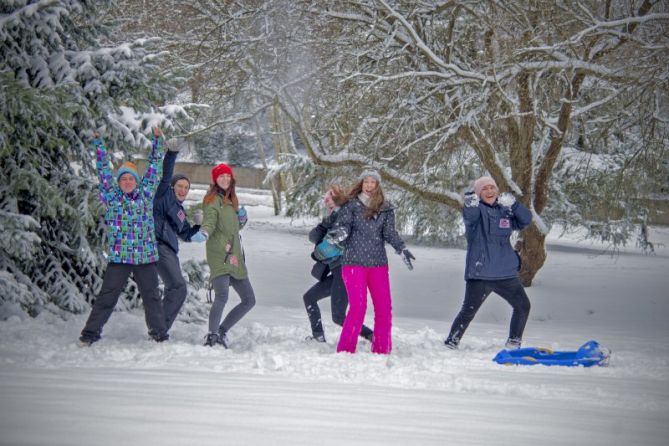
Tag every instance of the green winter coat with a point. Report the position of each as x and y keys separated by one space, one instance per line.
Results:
x=221 y=223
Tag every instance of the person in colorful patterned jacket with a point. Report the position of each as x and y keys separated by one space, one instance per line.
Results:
x=492 y=264
x=131 y=242
x=364 y=225
x=223 y=219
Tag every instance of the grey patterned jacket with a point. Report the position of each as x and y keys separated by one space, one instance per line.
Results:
x=366 y=237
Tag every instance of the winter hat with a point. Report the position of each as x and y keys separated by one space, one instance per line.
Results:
x=220 y=170
x=127 y=167
x=481 y=183
x=370 y=173
x=178 y=176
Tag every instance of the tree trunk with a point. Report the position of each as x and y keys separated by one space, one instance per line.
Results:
x=276 y=194
x=531 y=246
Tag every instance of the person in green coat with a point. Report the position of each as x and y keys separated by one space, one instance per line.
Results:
x=223 y=219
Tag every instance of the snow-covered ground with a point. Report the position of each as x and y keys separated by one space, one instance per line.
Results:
x=272 y=387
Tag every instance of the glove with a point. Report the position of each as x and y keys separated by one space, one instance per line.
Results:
x=471 y=200
x=242 y=216
x=336 y=235
x=198 y=216
x=326 y=250
x=407 y=257
x=506 y=199
x=199 y=236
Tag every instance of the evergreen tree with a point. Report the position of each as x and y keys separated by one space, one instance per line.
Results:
x=60 y=78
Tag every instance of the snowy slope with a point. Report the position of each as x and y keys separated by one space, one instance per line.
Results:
x=272 y=387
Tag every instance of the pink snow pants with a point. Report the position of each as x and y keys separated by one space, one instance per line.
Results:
x=357 y=279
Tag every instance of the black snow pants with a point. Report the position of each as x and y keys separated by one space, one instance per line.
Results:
x=175 y=285
x=477 y=291
x=114 y=280
x=332 y=286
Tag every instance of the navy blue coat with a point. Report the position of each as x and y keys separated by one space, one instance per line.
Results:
x=168 y=213
x=488 y=229
x=365 y=245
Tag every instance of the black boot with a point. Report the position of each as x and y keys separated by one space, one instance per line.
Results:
x=222 y=337
x=317 y=337
x=211 y=339
x=451 y=343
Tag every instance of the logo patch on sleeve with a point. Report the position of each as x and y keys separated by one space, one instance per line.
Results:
x=504 y=223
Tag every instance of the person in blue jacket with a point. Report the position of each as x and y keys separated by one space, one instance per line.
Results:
x=492 y=264
x=171 y=224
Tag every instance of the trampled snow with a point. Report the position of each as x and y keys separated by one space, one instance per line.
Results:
x=272 y=387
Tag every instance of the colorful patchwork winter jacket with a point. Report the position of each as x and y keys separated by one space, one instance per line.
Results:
x=221 y=223
x=129 y=217
x=488 y=230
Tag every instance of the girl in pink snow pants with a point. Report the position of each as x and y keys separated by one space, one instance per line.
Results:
x=365 y=224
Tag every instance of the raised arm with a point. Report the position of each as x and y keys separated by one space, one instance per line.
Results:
x=522 y=217
x=154 y=169
x=107 y=184
x=471 y=214
x=168 y=170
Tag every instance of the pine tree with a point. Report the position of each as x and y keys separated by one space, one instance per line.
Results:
x=60 y=78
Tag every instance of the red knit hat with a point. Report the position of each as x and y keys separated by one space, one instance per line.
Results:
x=220 y=170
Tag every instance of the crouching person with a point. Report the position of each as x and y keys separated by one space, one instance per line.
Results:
x=131 y=242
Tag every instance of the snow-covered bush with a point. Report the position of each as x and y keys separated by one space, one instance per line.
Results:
x=61 y=78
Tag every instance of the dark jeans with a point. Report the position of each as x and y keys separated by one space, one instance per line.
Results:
x=477 y=291
x=221 y=286
x=114 y=280
x=333 y=286
x=175 y=286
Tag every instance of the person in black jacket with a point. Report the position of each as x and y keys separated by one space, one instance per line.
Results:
x=171 y=224
x=328 y=272
x=492 y=265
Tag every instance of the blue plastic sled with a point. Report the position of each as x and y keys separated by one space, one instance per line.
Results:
x=590 y=353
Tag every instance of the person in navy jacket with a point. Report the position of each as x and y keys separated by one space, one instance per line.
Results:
x=492 y=264
x=171 y=224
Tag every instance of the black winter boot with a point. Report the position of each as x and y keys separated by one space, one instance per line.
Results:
x=317 y=337
x=161 y=338
x=222 y=337
x=211 y=339
x=451 y=343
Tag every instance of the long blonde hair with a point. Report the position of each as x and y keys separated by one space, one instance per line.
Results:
x=229 y=195
x=376 y=200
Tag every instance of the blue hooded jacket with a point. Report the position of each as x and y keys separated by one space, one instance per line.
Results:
x=488 y=230
x=168 y=212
